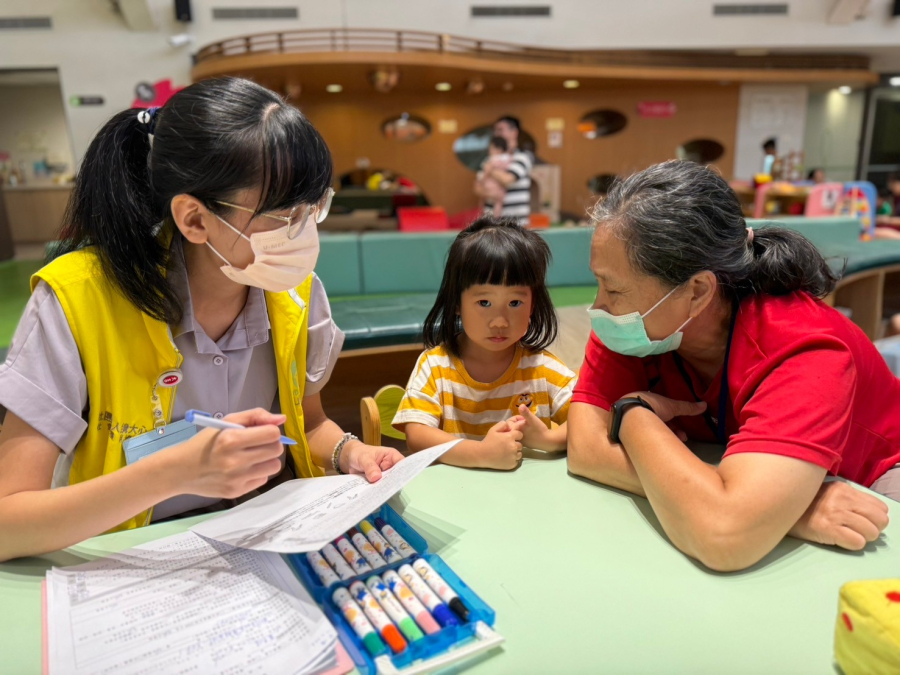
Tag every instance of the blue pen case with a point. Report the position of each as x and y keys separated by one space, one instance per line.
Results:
x=452 y=644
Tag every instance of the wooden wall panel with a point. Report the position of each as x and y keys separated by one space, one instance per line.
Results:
x=351 y=125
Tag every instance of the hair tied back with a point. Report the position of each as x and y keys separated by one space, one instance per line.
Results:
x=148 y=119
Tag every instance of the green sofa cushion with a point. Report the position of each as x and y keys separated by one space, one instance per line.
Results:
x=377 y=321
x=338 y=264
x=571 y=249
x=838 y=240
x=382 y=320
x=395 y=262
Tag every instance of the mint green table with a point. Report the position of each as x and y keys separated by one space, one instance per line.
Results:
x=582 y=578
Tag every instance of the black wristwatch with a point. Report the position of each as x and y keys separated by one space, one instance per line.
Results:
x=618 y=412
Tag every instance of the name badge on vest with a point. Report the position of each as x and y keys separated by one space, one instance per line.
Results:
x=170 y=378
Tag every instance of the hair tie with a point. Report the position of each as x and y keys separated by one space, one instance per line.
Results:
x=750 y=236
x=148 y=119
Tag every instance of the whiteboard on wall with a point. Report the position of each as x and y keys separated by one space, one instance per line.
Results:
x=768 y=111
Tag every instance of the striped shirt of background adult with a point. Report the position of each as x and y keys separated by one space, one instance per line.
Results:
x=517 y=202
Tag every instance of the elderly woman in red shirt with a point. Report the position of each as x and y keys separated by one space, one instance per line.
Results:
x=704 y=329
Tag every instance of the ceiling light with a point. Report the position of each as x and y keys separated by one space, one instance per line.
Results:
x=442 y=86
x=181 y=40
x=571 y=84
x=385 y=78
x=844 y=90
x=475 y=86
x=334 y=89
x=894 y=81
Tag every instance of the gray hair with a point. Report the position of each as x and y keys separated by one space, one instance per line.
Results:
x=679 y=218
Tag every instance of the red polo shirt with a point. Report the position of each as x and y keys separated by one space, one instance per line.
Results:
x=803 y=381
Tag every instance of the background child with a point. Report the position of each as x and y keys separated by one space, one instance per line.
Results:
x=486 y=376
x=489 y=189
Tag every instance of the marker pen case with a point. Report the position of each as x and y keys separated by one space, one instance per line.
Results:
x=311 y=580
x=450 y=645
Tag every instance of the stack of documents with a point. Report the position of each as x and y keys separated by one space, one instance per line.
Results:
x=218 y=599
x=185 y=605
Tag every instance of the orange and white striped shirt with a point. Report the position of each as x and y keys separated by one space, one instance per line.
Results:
x=441 y=393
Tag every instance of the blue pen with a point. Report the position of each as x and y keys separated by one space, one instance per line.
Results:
x=204 y=419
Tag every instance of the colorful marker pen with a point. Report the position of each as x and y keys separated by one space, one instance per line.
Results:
x=394 y=609
x=337 y=562
x=403 y=548
x=379 y=619
x=441 y=587
x=352 y=556
x=380 y=543
x=322 y=569
x=410 y=602
x=358 y=621
x=438 y=609
x=364 y=547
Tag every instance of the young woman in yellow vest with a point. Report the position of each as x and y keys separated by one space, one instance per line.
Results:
x=186 y=282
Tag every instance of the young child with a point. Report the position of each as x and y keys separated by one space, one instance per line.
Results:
x=489 y=189
x=486 y=376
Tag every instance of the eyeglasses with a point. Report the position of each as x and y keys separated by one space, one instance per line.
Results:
x=296 y=221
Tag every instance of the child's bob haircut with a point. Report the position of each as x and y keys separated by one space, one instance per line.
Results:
x=495 y=251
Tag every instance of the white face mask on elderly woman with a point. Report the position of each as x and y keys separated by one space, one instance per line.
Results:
x=281 y=259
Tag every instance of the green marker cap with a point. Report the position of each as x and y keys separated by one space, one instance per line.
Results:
x=411 y=630
x=374 y=645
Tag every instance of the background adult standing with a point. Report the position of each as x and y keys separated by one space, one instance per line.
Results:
x=516 y=177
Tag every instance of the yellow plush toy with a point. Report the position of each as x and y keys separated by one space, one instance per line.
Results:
x=867 y=635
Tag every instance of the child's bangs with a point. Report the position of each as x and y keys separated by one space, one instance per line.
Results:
x=295 y=162
x=495 y=258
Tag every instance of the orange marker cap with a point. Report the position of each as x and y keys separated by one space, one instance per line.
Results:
x=395 y=641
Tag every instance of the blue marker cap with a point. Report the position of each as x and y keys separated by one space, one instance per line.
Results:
x=444 y=616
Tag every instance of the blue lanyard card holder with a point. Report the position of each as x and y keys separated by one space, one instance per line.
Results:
x=158 y=439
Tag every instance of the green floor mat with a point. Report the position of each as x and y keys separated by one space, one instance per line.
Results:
x=14 y=293
x=570 y=296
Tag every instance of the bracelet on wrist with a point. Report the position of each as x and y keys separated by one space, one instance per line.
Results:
x=338 y=449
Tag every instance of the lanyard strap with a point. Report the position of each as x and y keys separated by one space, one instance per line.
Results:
x=717 y=426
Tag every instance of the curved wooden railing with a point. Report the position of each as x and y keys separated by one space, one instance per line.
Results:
x=397 y=41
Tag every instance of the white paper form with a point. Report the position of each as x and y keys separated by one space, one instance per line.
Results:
x=305 y=514
x=184 y=604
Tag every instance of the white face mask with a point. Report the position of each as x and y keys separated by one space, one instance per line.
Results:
x=279 y=262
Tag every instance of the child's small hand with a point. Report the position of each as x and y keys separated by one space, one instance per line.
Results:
x=368 y=460
x=502 y=445
x=535 y=433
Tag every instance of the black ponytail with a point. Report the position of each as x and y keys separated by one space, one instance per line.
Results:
x=785 y=261
x=112 y=209
x=210 y=140
x=679 y=218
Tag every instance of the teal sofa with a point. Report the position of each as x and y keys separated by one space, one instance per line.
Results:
x=381 y=285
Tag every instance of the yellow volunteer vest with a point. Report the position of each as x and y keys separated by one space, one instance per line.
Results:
x=126 y=355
